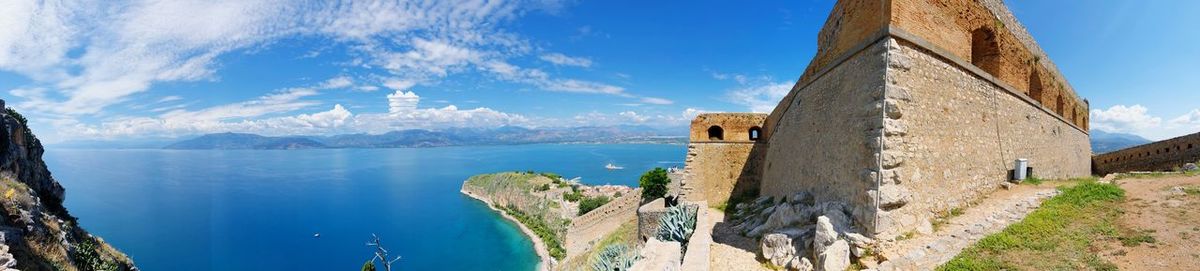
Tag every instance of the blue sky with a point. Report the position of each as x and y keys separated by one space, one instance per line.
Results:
x=152 y=69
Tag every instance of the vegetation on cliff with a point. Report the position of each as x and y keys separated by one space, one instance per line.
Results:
x=35 y=230
x=520 y=195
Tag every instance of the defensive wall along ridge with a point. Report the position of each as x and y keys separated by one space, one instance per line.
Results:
x=909 y=108
x=1164 y=155
x=591 y=227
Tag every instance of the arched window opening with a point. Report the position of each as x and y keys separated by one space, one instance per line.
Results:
x=985 y=51
x=1058 y=106
x=1035 y=86
x=755 y=133
x=716 y=133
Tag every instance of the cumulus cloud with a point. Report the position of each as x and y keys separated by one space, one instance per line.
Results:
x=564 y=60
x=1138 y=120
x=403 y=114
x=401 y=101
x=1124 y=119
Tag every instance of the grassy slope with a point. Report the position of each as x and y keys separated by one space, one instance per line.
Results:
x=1057 y=236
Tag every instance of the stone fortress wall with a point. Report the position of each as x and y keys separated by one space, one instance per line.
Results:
x=724 y=157
x=1157 y=156
x=911 y=108
x=589 y=228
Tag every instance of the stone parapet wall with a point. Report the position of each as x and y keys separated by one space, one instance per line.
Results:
x=589 y=228
x=1158 y=156
x=1016 y=59
x=715 y=172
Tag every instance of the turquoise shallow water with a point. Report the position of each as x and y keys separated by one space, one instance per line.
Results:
x=259 y=209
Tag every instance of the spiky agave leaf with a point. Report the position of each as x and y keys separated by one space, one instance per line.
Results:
x=677 y=224
x=614 y=257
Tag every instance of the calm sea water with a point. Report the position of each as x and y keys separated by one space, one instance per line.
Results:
x=259 y=209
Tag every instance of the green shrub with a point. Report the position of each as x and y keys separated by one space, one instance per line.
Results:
x=588 y=204
x=654 y=183
x=86 y=257
x=574 y=196
x=544 y=187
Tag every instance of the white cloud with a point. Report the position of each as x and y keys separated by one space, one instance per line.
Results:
x=761 y=97
x=564 y=60
x=1124 y=119
x=402 y=102
x=1138 y=120
x=86 y=56
x=1190 y=119
x=658 y=101
x=230 y=118
x=337 y=82
x=539 y=78
x=169 y=99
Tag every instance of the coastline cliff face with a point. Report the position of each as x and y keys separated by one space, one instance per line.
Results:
x=36 y=231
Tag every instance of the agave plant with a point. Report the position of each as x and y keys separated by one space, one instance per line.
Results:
x=678 y=224
x=614 y=257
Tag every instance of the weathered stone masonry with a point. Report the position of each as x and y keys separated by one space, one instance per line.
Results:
x=589 y=228
x=724 y=157
x=911 y=108
x=1158 y=156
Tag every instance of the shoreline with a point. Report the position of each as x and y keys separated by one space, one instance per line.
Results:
x=539 y=247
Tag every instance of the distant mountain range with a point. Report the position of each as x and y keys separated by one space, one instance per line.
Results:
x=507 y=135
x=1103 y=142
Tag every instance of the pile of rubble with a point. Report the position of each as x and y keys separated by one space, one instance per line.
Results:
x=798 y=234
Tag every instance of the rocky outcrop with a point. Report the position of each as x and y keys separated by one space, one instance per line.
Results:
x=797 y=234
x=37 y=232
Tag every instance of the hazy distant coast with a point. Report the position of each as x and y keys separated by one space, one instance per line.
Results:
x=438 y=138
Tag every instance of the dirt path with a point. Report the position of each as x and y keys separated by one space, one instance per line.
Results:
x=729 y=250
x=1162 y=208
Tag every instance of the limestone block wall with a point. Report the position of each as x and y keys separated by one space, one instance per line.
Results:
x=848 y=25
x=715 y=172
x=589 y=228
x=827 y=141
x=1157 y=156
x=953 y=134
x=717 y=169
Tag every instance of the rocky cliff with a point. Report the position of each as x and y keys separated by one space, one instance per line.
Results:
x=36 y=231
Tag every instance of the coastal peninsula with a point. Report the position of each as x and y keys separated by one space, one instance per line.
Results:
x=544 y=206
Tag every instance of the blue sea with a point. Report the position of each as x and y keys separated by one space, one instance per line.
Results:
x=260 y=209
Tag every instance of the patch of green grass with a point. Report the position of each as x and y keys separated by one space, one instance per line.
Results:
x=1137 y=238
x=1191 y=190
x=1056 y=236
x=944 y=217
x=1033 y=180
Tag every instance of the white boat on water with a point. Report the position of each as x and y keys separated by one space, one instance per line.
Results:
x=610 y=166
